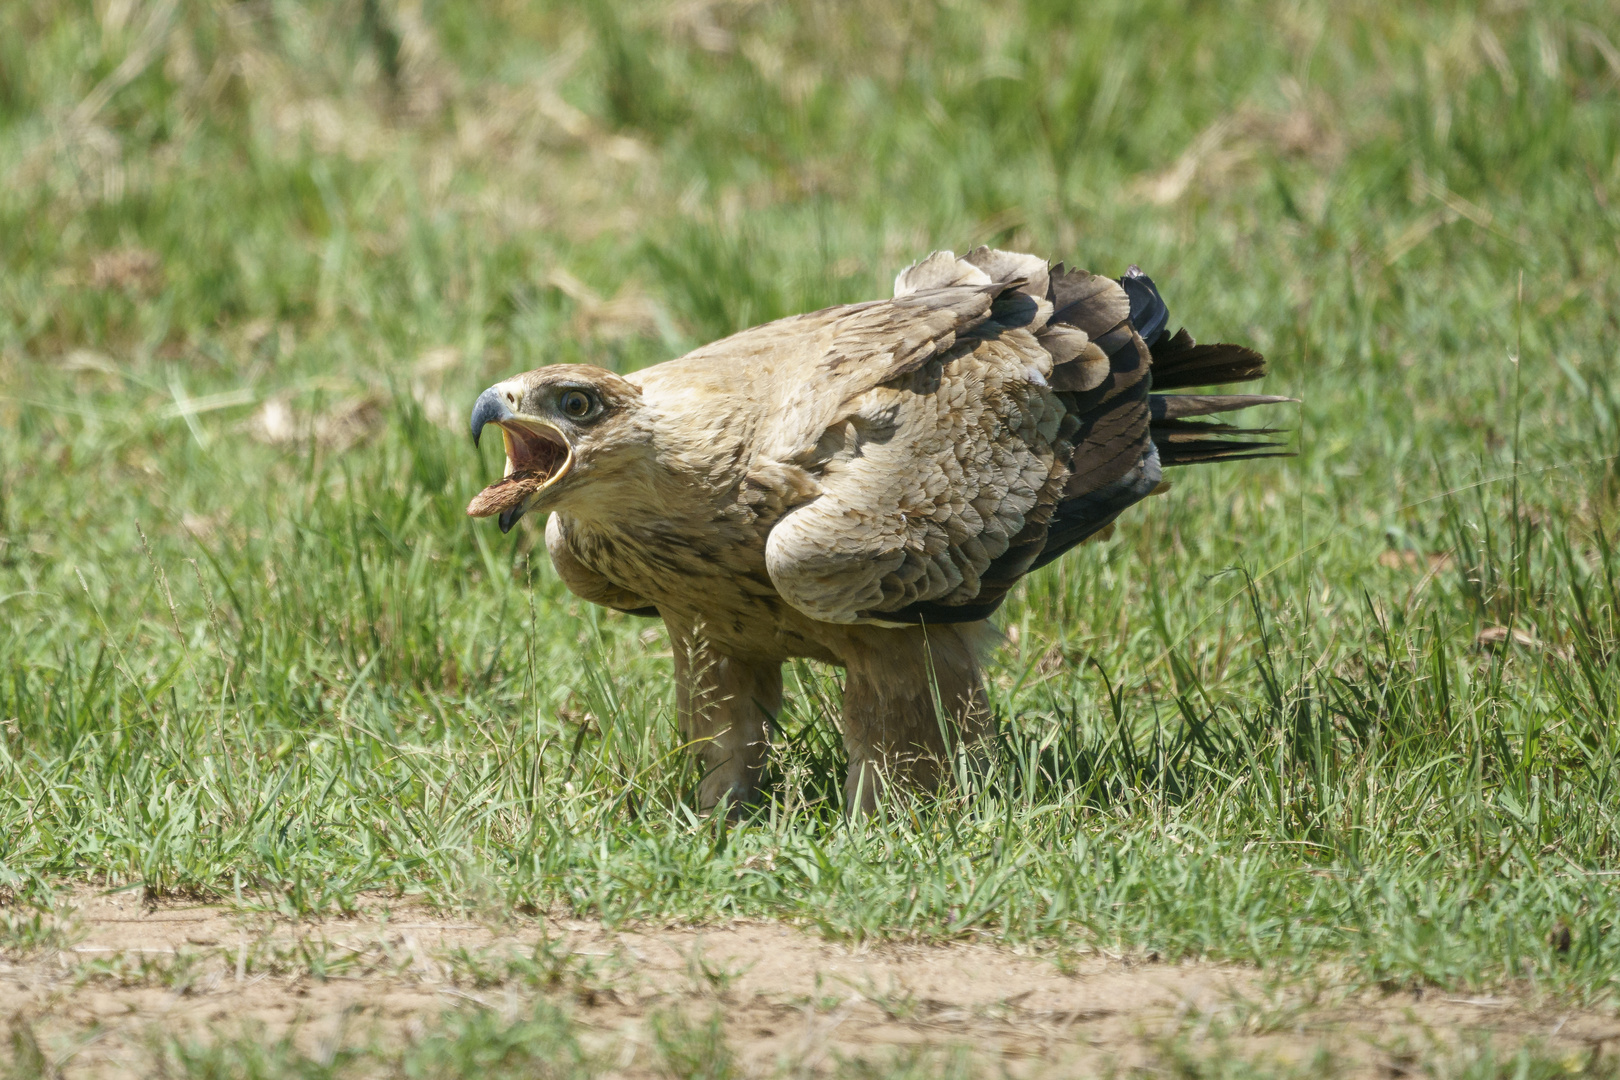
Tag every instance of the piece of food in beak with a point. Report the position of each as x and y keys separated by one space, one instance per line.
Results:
x=507 y=493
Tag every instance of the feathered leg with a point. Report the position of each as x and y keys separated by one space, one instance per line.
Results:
x=723 y=705
x=909 y=696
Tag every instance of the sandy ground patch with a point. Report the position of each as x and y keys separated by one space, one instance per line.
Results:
x=122 y=976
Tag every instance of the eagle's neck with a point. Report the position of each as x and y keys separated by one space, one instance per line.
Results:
x=677 y=516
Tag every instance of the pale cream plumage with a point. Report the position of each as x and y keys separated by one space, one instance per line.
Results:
x=860 y=485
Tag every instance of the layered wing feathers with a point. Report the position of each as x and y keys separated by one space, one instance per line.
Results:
x=929 y=480
x=1007 y=419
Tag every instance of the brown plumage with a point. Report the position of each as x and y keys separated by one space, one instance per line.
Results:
x=861 y=485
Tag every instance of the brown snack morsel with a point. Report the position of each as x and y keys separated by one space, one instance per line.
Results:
x=507 y=493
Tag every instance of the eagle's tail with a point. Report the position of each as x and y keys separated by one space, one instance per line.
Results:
x=1178 y=362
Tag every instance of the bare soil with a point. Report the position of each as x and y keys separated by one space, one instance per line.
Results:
x=126 y=975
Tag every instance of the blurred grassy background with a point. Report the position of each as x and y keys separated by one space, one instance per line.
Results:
x=257 y=258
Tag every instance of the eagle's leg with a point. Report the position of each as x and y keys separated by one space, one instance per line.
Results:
x=910 y=697
x=723 y=705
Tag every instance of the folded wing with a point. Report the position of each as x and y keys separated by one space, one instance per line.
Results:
x=1017 y=424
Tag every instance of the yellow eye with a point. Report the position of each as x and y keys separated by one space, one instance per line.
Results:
x=576 y=403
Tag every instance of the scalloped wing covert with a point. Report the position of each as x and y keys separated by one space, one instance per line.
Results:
x=929 y=480
x=933 y=475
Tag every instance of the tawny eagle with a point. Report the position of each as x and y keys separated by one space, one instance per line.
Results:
x=860 y=485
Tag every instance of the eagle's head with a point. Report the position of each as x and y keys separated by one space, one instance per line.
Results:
x=562 y=425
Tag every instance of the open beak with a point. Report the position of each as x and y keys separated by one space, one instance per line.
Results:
x=537 y=456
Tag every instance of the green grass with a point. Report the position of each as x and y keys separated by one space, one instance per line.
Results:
x=256 y=261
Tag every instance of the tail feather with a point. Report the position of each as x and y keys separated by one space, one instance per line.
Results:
x=1181 y=441
x=1181 y=362
x=1178 y=406
x=1218 y=450
x=1188 y=442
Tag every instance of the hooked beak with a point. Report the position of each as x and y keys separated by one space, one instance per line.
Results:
x=490 y=408
x=537 y=456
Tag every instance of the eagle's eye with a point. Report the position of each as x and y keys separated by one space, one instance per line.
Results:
x=577 y=404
